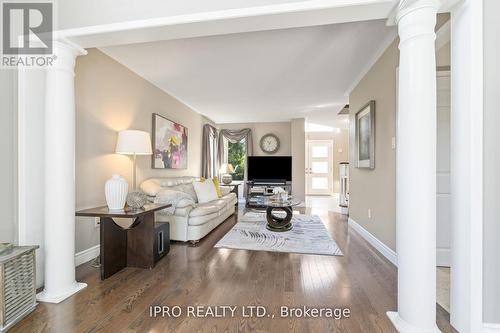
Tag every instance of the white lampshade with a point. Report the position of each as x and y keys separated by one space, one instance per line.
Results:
x=133 y=142
x=226 y=168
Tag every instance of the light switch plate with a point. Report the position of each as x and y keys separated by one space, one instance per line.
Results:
x=393 y=142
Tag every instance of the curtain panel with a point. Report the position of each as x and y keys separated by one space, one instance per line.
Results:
x=209 y=153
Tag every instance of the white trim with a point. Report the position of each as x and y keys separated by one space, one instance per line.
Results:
x=403 y=326
x=491 y=328
x=45 y=298
x=447 y=5
x=443 y=257
x=23 y=186
x=21 y=158
x=376 y=56
x=375 y=242
x=87 y=255
x=476 y=164
x=257 y=18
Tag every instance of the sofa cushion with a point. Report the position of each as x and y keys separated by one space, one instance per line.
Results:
x=205 y=191
x=174 y=197
x=151 y=187
x=182 y=211
x=199 y=220
x=167 y=182
x=186 y=188
x=229 y=198
x=215 y=180
x=224 y=190
x=221 y=204
x=217 y=186
x=205 y=209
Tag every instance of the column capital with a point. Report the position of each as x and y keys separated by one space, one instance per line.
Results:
x=64 y=55
x=407 y=6
x=416 y=18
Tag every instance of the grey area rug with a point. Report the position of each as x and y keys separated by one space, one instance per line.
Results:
x=308 y=236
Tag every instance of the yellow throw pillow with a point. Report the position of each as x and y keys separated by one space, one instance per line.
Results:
x=217 y=186
x=216 y=183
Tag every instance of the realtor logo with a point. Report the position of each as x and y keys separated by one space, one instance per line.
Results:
x=27 y=28
x=27 y=34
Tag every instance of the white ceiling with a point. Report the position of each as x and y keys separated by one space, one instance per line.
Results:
x=261 y=76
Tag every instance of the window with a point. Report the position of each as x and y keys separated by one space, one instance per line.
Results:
x=236 y=156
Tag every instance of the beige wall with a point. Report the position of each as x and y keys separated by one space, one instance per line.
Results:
x=443 y=56
x=340 y=140
x=376 y=189
x=298 y=151
x=110 y=98
x=281 y=129
x=8 y=147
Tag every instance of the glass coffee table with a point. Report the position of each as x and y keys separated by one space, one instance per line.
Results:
x=278 y=223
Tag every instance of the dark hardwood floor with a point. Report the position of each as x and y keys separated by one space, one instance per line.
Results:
x=361 y=280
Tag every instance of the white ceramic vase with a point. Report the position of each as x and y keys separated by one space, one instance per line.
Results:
x=116 y=190
x=227 y=179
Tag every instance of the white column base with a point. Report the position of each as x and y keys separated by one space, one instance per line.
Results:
x=403 y=326
x=47 y=298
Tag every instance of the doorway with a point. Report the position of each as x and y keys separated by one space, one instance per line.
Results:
x=319 y=167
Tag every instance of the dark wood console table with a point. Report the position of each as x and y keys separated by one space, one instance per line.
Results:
x=132 y=247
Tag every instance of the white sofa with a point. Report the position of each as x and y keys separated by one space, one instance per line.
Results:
x=191 y=223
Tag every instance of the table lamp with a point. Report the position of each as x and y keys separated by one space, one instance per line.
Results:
x=133 y=142
x=226 y=171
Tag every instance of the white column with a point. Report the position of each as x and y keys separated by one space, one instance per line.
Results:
x=466 y=288
x=59 y=185
x=416 y=168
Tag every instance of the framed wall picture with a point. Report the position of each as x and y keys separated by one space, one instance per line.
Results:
x=170 y=144
x=365 y=136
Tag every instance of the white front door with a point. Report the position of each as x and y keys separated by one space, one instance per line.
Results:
x=319 y=167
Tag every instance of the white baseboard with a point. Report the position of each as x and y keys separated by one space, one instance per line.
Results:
x=375 y=242
x=87 y=255
x=443 y=257
x=491 y=328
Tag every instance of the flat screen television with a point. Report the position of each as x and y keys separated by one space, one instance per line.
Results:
x=269 y=168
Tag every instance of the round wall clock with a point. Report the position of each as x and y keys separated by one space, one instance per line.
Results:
x=270 y=143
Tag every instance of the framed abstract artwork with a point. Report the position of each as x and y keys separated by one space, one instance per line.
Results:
x=365 y=136
x=170 y=144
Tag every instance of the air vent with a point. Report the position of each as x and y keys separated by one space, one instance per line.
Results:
x=17 y=285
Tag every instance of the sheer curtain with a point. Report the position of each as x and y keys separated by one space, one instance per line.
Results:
x=209 y=153
x=234 y=136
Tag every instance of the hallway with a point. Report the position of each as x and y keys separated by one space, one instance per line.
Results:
x=324 y=202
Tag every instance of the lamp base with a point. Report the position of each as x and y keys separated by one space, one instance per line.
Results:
x=227 y=179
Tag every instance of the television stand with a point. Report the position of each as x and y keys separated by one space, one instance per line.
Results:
x=256 y=189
